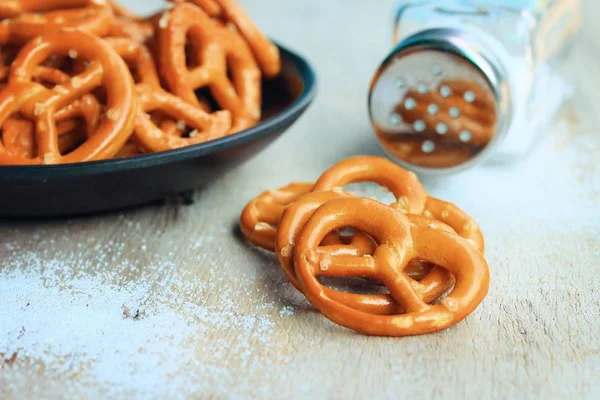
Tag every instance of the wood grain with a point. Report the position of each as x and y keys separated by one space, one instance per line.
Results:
x=535 y=336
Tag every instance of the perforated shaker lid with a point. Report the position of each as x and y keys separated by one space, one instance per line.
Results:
x=437 y=104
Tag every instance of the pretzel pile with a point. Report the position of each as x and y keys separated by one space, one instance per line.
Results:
x=427 y=252
x=85 y=80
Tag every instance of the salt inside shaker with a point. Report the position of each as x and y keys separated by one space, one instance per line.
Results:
x=470 y=80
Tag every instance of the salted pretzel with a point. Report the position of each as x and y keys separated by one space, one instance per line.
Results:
x=475 y=115
x=18 y=135
x=138 y=58
x=410 y=194
x=22 y=20
x=411 y=197
x=431 y=283
x=399 y=242
x=259 y=219
x=453 y=216
x=35 y=102
x=151 y=97
x=217 y=50
x=266 y=53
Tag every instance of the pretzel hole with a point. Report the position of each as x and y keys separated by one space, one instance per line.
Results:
x=72 y=134
x=346 y=235
x=205 y=97
x=371 y=190
x=193 y=55
x=354 y=285
x=229 y=68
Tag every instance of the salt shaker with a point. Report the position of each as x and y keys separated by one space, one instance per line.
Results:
x=470 y=80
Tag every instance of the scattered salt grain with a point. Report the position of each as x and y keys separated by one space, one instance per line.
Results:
x=164 y=20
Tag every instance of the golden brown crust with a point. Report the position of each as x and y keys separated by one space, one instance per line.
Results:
x=399 y=242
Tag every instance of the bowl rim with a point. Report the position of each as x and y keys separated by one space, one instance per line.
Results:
x=267 y=127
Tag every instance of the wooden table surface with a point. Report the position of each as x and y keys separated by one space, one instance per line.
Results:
x=235 y=328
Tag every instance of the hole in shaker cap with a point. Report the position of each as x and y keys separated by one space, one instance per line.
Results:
x=445 y=91
x=410 y=103
x=395 y=119
x=400 y=83
x=437 y=70
x=422 y=88
x=441 y=128
x=469 y=96
x=464 y=136
x=454 y=112
x=427 y=146
x=419 y=125
x=433 y=109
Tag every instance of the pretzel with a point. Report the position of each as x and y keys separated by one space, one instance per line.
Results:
x=410 y=194
x=457 y=219
x=152 y=97
x=434 y=281
x=260 y=217
x=411 y=197
x=266 y=53
x=27 y=19
x=130 y=149
x=18 y=136
x=204 y=126
x=38 y=103
x=138 y=58
x=217 y=51
x=399 y=242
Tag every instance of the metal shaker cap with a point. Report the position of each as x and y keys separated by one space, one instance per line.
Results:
x=437 y=103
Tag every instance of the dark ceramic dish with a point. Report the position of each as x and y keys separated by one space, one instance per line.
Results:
x=82 y=188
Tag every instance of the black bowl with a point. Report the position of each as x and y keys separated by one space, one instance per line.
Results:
x=82 y=188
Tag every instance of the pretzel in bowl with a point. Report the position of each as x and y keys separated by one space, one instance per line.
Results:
x=430 y=284
x=217 y=52
x=18 y=135
x=399 y=242
x=411 y=196
x=22 y=20
x=266 y=53
x=152 y=98
x=35 y=102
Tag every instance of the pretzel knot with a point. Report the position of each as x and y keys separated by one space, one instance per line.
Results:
x=214 y=53
x=33 y=101
x=22 y=20
x=399 y=241
x=432 y=282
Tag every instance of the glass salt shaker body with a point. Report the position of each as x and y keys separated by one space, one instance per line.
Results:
x=470 y=79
